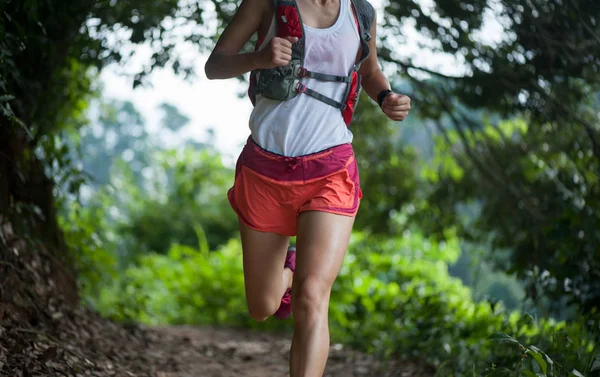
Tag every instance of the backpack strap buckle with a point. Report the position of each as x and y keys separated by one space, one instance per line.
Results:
x=302 y=72
x=301 y=88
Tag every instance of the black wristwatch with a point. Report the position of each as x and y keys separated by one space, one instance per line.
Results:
x=381 y=96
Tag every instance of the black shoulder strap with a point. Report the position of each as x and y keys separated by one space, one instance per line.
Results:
x=275 y=5
x=365 y=14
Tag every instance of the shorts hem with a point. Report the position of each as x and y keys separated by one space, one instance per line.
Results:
x=339 y=212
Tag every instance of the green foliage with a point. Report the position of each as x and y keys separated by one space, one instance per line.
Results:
x=535 y=362
x=535 y=197
x=475 y=270
x=34 y=165
x=185 y=188
x=185 y=286
x=519 y=69
x=536 y=192
x=401 y=286
x=398 y=300
x=388 y=170
x=49 y=53
x=86 y=235
x=150 y=195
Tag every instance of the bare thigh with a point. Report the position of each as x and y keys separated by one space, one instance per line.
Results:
x=264 y=257
x=322 y=243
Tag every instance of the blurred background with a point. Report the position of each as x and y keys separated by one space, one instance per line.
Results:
x=481 y=211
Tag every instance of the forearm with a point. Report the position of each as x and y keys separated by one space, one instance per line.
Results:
x=225 y=66
x=374 y=82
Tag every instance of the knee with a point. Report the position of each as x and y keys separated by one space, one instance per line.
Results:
x=261 y=309
x=310 y=298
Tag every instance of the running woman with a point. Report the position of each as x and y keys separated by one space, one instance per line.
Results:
x=297 y=174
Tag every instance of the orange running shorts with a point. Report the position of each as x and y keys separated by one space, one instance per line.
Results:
x=271 y=190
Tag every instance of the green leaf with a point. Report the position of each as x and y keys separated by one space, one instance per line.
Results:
x=202 y=240
x=501 y=337
x=527 y=319
x=538 y=355
x=576 y=373
x=6 y=98
x=596 y=364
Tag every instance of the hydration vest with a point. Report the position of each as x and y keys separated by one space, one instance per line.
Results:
x=283 y=83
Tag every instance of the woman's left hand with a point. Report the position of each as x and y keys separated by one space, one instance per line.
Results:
x=396 y=106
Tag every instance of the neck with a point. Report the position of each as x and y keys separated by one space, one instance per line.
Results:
x=321 y=3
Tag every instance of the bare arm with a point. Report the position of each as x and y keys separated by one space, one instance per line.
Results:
x=373 y=80
x=395 y=106
x=226 y=61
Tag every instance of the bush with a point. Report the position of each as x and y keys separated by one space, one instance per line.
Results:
x=184 y=286
x=86 y=233
x=184 y=187
x=397 y=299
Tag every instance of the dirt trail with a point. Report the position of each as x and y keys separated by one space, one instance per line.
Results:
x=87 y=345
x=233 y=353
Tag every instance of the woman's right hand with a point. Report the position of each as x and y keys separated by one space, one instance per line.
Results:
x=277 y=53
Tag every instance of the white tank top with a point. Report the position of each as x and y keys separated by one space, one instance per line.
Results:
x=305 y=125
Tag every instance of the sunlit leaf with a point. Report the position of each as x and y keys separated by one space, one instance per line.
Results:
x=502 y=338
